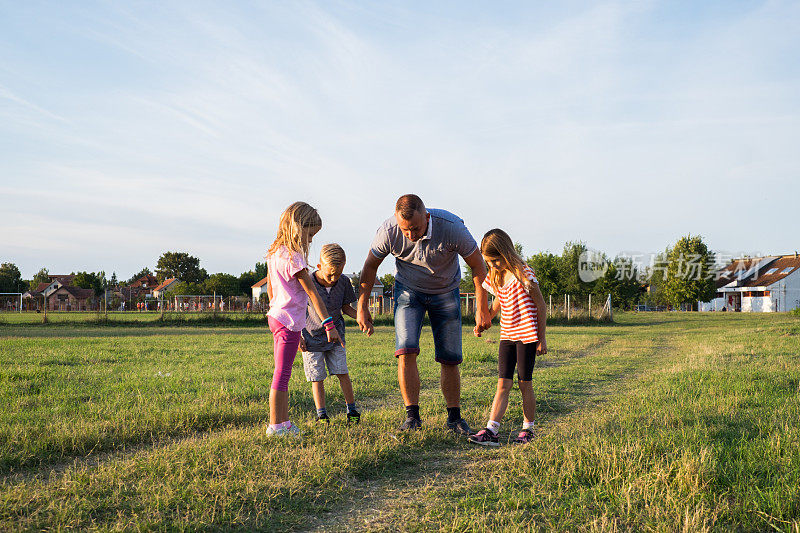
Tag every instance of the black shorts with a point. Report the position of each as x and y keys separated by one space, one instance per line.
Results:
x=519 y=354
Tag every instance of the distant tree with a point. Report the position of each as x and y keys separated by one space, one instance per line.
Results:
x=142 y=273
x=11 y=279
x=569 y=268
x=388 y=283
x=113 y=282
x=622 y=282
x=656 y=275
x=90 y=280
x=183 y=287
x=246 y=282
x=546 y=266
x=689 y=274
x=467 y=283
x=43 y=276
x=180 y=265
x=222 y=284
x=260 y=271
x=355 y=279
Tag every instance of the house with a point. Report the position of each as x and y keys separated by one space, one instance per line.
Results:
x=65 y=279
x=145 y=282
x=377 y=289
x=725 y=276
x=260 y=288
x=762 y=284
x=166 y=286
x=69 y=298
x=49 y=287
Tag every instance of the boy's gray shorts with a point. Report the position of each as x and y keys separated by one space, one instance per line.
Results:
x=314 y=363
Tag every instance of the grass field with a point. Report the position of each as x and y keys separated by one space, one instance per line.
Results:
x=660 y=422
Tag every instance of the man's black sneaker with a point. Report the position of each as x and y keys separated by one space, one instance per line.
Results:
x=323 y=419
x=353 y=417
x=485 y=438
x=460 y=427
x=411 y=424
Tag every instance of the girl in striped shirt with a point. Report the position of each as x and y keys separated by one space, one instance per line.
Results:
x=522 y=332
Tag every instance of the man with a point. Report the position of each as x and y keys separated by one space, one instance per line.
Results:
x=426 y=244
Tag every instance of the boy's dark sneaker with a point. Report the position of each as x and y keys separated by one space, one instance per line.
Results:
x=411 y=424
x=485 y=438
x=353 y=417
x=524 y=437
x=460 y=427
x=323 y=419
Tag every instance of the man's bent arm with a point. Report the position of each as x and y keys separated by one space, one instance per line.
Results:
x=475 y=262
x=367 y=281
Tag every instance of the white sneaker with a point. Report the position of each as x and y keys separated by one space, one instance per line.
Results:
x=291 y=431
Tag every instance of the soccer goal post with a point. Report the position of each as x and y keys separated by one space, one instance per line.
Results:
x=10 y=301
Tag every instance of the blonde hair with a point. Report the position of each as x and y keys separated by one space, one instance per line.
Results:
x=296 y=223
x=497 y=243
x=333 y=254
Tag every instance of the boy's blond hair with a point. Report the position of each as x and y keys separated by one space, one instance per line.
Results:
x=333 y=254
x=293 y=230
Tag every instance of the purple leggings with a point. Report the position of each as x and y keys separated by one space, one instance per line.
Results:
x=285 y=345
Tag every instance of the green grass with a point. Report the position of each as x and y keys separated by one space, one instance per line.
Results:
x=660 y=421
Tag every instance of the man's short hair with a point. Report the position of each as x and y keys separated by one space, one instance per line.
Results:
x=409 y=204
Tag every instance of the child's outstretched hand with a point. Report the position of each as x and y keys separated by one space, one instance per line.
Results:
x=333 y=336
x=302 y=344
x=541 y=349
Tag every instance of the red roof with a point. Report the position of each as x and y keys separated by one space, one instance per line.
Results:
x=65 y=279
x=42 y=286
x=734 y=269
x=260 y=283
x=148 y=280
x=165 y=284
x=775 y=271
x=77 y=292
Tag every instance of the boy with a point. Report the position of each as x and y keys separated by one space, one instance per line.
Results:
x=337 y=293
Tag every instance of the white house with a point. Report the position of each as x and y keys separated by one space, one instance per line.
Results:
x=764 y=284
x=259 y=288
x=377 y=289
x=166 y=286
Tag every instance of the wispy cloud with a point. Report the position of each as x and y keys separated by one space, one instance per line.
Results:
x=197 y=124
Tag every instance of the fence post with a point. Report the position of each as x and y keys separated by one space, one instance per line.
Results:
x=569 y=306
x=565 y=305
x=551 y=305
x=590 y=305
x=610 y=312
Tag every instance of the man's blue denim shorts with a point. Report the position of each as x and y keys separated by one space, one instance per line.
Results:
x=444 y=311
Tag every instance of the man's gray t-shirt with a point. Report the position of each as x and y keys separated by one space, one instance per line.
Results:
x=429 y=265
x=341 y=294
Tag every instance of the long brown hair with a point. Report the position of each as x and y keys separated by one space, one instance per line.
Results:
x=497 y=243
x=296 y=223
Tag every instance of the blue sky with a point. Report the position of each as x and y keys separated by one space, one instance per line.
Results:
x=132 y=128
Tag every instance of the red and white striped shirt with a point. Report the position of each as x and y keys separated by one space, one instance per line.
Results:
x=517 y=311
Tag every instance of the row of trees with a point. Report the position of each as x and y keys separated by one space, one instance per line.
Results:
x=681 y=275
x=180 y=265
x=666 y=281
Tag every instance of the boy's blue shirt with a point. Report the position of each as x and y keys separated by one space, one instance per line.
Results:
x=341 y=294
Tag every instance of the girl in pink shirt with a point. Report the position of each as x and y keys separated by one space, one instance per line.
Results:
x=289 y=286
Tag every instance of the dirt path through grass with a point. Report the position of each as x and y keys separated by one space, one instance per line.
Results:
x=394 y=503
